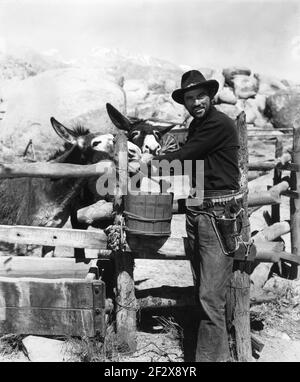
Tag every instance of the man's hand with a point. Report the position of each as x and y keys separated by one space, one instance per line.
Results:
x=134 y=167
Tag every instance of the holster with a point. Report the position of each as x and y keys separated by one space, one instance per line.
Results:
x=228 y=229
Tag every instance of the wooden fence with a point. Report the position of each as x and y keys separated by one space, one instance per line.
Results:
x=87 y=277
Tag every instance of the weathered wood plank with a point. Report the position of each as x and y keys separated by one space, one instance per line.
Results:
x=44 y=293
x=52 y=268
x=53 y=236
x=272 y=196
x=238 y=301
x=51 y=307
x=101 y=210
x=275 y=209
x=295 y=203
x=124 y=262
x=274 y=231
x=54 y=170
x=47 y=268
x=275 y=257
x=261 y=166
x=265 y=166
x=53 y=322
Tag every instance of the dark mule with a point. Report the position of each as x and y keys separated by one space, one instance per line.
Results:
x=149 y=137
x=50 y=202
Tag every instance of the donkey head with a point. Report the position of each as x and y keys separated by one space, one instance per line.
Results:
x=143 y=134
x=81 y=146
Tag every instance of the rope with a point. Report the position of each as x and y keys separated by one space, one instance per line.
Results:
x=127 y=307
x=114 y=237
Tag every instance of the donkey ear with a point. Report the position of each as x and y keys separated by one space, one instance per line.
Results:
x=164 y=129
x=117 y=118
x=62 y=131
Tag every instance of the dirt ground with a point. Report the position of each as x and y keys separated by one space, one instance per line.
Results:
x=169 y=334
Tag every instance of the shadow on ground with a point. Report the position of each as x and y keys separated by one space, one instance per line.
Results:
x=187 y=319
x=181 y=321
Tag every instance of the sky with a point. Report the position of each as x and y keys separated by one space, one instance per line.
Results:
x=263 y=35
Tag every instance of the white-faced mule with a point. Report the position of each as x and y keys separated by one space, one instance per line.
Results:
x=50 y=202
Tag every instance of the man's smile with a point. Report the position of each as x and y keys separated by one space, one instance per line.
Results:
x=199 y=109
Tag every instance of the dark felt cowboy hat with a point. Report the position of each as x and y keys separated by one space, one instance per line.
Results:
x=191 y=80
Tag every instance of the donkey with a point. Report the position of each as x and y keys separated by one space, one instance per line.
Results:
x=50 y=202
x=150 y=138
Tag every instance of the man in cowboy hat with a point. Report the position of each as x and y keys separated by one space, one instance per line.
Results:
x=212 y=138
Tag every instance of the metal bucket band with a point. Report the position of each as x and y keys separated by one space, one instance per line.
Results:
x=145 y=233
x=141 y=218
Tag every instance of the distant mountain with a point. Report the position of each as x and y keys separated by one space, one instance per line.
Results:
x=24 y=63
x=21 y=63
x=132 y=66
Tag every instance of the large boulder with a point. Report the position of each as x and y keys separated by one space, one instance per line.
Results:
x=283 y=108
x=215 y=74
x=226 y=95
x=231 y=110
x=160 y=107
x=269 y=85
x=260 y=101
x=245 y=86
x=253 y=113
x=230 y=73
x=73 y=96
x=170 y=111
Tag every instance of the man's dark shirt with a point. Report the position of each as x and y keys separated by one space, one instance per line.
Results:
x=213 y=139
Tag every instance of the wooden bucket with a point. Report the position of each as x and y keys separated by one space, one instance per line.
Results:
x=148 y=214
x=148 y=221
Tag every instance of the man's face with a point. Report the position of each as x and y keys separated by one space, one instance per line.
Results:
x=197 y=102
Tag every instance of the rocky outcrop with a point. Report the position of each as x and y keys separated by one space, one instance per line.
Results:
x=73 y=96
x=269 y=85
x=245 y=86
x=35 y=87
x=282 y=108
x=226 y=95
x=231 y=110
x=268 y=102
x=230 y=73
x=239 y=90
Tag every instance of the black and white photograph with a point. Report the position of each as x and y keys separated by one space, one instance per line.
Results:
x=149 y=183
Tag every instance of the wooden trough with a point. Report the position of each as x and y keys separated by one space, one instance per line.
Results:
x=50 y=297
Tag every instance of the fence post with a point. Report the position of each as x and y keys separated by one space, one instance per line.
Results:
x=275 y=209
x=238 y=296
x=295 y=203
x=125 y=301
